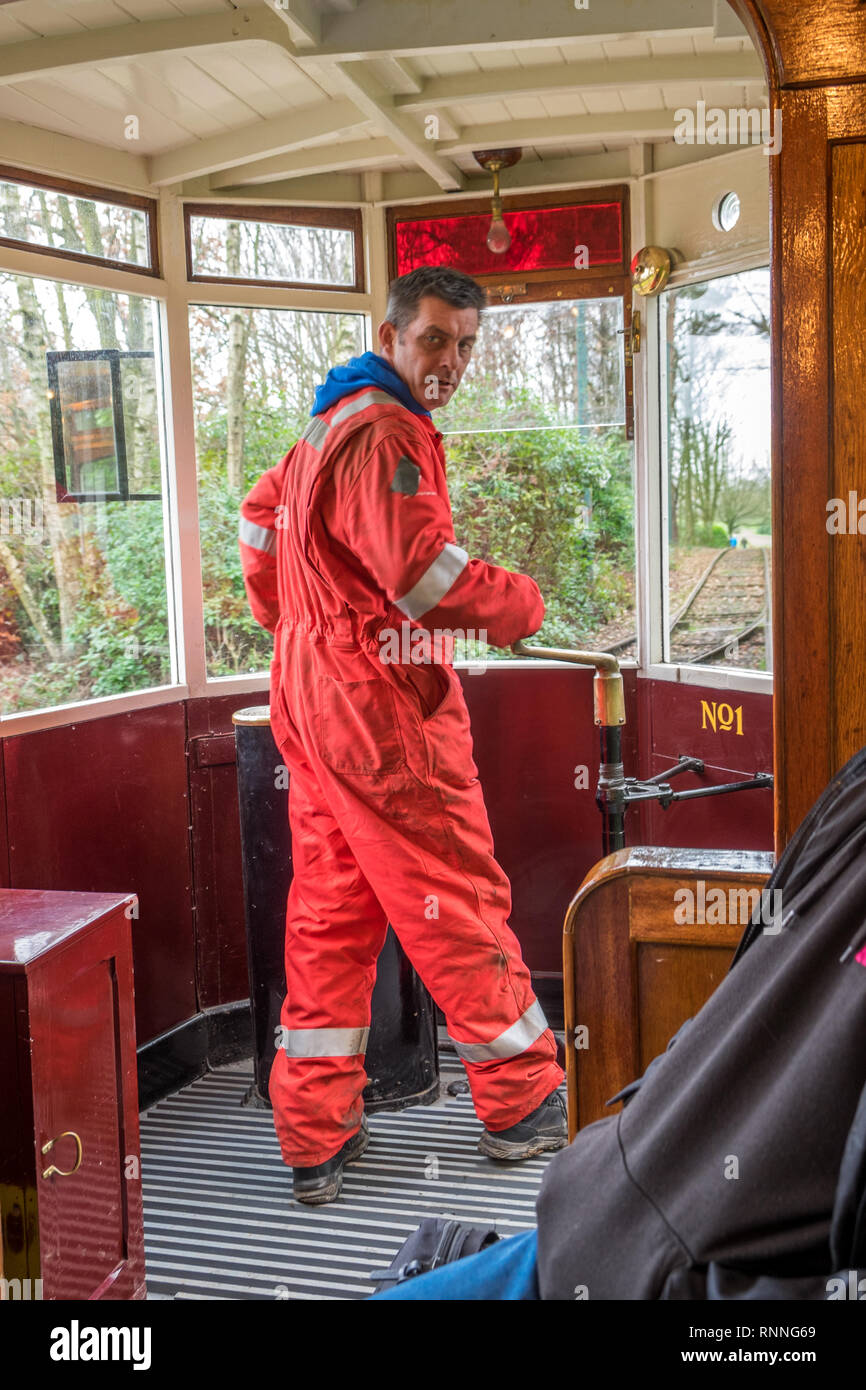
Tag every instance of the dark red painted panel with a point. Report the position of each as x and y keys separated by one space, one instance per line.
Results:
x=532 y=728
x=213 y=713
x=676 y=719
x=4 y=832
x=103 y=806
x=221 y=953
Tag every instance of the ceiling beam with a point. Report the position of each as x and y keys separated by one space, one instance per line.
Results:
x=563 y=130
x=531 y=175
x=378 y=105
x=555 y=79
x=381 y=27
x=317 y=190
x=398 y=76
x=317 y=159
x=92 y=47
x=302 y=20
x=260 y=140
x=45 y=151
x=727 y=24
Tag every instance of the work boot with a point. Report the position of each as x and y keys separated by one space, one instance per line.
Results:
x=322 y=1183
x=543 y=1129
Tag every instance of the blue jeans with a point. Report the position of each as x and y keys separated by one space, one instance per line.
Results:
x=506 y=1270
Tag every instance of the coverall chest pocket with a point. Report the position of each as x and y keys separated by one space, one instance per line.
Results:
x=357 y=727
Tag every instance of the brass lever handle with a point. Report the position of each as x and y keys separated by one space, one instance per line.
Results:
x=64 y=1172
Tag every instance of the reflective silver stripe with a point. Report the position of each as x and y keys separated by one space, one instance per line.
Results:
x=316 y=432
x=259 y=537
x=368 y=398
x=324 y=1042
x=511 y=1043
x=434 y=582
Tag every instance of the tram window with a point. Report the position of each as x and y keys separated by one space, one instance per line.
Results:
x=255 y=372
x=716 y=439
x=539 y=466
x=84 y=606
x=74 y=224
x=303 y=246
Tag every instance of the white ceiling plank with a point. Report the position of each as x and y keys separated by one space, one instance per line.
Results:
x=600 y=102
x=525 y=108
x=38 y=57
x=146 y=93
x=246 y=83
x=349 y=154
x=415 y=26
x=618 y=50
x=104 y=104
x=565 y=105
x=29 y=110
x=666 y=46
x=256 y=141
x=580 y=76
x=178 y=75
x=379 y=106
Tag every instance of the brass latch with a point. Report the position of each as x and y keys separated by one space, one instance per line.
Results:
x=505 y=292
x=631 y=337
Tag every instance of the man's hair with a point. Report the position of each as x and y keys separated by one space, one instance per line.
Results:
x=453 y=286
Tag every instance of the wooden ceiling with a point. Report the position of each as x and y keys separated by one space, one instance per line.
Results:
x=380 y=99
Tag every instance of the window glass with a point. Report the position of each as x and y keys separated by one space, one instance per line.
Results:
x=65 y=222
x=255 y=372
x=540 y=470
x=294 y=254
x=83 y=596
x=541 y=239
x=716 y=433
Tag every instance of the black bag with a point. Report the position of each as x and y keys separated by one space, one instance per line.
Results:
x=437 y=1241
x=737 y=1166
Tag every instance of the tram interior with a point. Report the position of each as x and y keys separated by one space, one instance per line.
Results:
x=202 y=205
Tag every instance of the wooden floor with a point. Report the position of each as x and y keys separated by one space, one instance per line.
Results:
x=221 y=1223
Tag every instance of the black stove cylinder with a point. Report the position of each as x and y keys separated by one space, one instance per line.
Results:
x=401 y=1062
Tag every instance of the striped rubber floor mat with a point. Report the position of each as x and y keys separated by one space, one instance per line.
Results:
x=220 y=1221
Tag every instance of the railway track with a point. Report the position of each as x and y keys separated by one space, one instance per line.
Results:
x=726 y=613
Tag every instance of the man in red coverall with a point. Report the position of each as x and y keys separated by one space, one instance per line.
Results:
x=346 y=540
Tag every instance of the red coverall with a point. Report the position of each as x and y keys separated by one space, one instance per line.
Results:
x=349 y=536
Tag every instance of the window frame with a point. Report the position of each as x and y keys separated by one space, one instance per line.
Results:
x=173 y=294
x=653 y=493
x=538 y=286
x=338 y=219
x=93 y=193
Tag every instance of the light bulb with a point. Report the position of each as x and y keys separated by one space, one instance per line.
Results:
x=498 y=238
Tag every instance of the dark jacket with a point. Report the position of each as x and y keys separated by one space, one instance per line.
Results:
x=720 y=1175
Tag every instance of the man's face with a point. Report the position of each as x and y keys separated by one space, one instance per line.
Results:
x=432 y=352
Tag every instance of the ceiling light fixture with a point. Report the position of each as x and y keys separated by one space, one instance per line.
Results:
x=498 y=237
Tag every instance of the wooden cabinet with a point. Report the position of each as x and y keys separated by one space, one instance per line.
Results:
x=70 y=1168
x=648 y=936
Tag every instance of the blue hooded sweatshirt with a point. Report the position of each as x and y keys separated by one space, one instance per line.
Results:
x=368 y=370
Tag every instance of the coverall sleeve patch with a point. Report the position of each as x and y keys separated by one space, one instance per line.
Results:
x=407 y=476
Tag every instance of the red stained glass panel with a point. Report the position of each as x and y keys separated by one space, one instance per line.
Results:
x=541 y=239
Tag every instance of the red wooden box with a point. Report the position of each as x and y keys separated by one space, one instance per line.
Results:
x=70 y=1167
